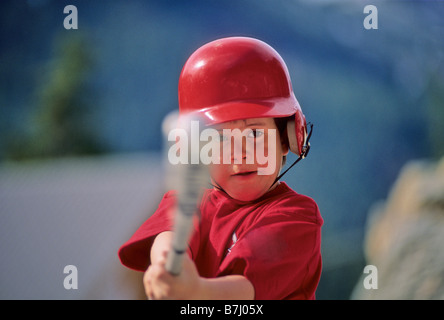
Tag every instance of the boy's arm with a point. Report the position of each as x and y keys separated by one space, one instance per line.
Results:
x=161 y=244
x=160 y=284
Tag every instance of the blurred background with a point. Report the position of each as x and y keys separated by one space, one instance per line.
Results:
x=81 y=143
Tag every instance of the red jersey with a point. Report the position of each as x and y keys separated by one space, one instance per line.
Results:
x=274 y=241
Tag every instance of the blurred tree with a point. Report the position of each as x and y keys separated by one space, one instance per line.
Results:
x=60 y=125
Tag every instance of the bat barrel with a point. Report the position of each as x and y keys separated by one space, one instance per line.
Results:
x=189 y=180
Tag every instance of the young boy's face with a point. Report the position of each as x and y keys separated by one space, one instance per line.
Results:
x=246 y=176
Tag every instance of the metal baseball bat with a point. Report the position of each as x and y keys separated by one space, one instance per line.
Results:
x=189 y=179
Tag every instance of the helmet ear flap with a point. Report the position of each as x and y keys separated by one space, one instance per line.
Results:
x=297 y=133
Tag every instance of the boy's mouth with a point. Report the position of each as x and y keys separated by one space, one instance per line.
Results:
x=244 y=174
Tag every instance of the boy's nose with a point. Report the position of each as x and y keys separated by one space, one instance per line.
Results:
x=238 y=156
x=240 y=151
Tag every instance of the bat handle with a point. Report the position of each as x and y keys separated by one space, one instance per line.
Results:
x=179 y=245
x=174 y=261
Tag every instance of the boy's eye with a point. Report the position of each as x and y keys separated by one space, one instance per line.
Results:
x=256 y=133
x=222 y=137
x=253 y=133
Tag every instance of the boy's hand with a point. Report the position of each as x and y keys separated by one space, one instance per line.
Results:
x=161 y=285
x=188 y=285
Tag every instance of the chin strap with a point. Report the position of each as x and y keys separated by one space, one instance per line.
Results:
x=218 y=187
x=304 y=153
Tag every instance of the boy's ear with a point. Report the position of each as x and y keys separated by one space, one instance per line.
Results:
x=284 y=142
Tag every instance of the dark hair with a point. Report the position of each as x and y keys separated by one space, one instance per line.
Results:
x=281 y=124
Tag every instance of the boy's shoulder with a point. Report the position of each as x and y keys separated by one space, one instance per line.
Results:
x=288 y=203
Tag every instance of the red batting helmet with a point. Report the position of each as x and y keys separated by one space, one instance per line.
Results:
x=238 y=78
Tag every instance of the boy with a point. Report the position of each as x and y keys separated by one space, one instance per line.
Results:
x=256 y=238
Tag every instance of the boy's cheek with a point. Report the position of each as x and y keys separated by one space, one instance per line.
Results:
x=218 y=170
x=266 y=156
x=270 y=166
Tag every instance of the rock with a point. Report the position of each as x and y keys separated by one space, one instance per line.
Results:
x=405 y=237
